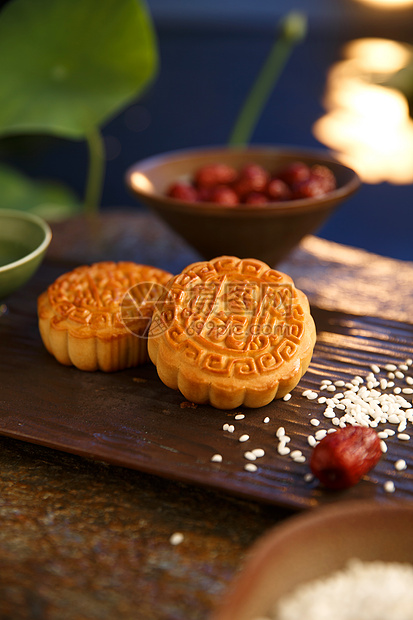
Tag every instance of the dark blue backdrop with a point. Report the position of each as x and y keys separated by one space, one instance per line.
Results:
x=207 y=67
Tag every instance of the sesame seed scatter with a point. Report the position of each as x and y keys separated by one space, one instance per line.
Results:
x=372 y=401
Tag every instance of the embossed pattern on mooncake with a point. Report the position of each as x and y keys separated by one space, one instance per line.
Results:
x=91 y=316
x=232 y=332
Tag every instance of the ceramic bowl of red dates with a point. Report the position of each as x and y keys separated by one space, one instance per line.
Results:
x=258 y=201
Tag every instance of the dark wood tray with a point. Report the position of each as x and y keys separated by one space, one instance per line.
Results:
x=131 y=419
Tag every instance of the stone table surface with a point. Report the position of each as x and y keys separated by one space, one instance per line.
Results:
x=83 y=540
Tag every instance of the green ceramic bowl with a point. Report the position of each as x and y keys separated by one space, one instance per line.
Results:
x=24 y=239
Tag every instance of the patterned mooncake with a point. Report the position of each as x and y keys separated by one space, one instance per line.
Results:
x=98 y=316
x=231 y=332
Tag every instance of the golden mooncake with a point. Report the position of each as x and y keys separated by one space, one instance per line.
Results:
x=98 y=316
x=231 y=332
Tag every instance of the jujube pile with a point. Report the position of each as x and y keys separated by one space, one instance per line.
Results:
x=253 y=184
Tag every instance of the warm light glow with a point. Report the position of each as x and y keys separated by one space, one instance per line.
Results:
x=378 y=55
x=141 y=182
x=388 y=4
x=368 y=125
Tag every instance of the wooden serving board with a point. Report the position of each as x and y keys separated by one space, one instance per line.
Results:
x=131 y=419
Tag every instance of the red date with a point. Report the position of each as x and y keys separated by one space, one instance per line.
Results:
x=341 y=459
x=215 y=174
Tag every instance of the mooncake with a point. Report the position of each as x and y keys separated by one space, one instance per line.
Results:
x=97 y=317
x=231 y=332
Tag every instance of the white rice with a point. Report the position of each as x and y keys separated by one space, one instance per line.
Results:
x=360 y=591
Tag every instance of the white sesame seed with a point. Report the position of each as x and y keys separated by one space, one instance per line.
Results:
x=383 y=446
x=390 y=384
x=407 y=390
x=402 y=426
x=390 y=375
x=216 y=458
x=306 y=392
x=390 y=367
x=311 y=441
x=397 y=390
x=322 y=400
x=383 y=384
x=394 y=419
x=287 y=397
x=251 y=467
x=231 y=428
x=389 y=486
x=329 y=413
x=295 y=453
x=403 y=437
x=326 y=382
x=331 y=388
x=250 y=456
x=314 y=422
x=283 y=450
x=239 y=416
x=280 y=432
x=339 y=383
x=409 y=361
x=243 y=438
x=225 y=427
x=309 y=477
x=259 y=452
x=398 y=374
x=403 y=367
x=300 y=459
x=314 y=395
x=400 y=465
x=176 y=538
x=266 y=420
x=382 y=435
x=375 y=368
x=320 y=434
x=409 y=380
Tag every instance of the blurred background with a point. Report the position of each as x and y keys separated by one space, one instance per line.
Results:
x=334 y=94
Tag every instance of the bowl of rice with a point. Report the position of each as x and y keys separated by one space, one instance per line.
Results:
x=347 y=561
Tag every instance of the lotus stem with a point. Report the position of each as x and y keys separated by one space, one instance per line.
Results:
x=292 y=30
x=96 y=172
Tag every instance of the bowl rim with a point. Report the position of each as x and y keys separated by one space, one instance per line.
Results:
x=259 y=554
x=323 y=155
x=35 y=219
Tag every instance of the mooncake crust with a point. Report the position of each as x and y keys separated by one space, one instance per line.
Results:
x=231 y=332
x=97 y=317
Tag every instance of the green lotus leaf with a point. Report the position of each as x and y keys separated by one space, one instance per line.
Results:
x=51 y=200
x=67 y=66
